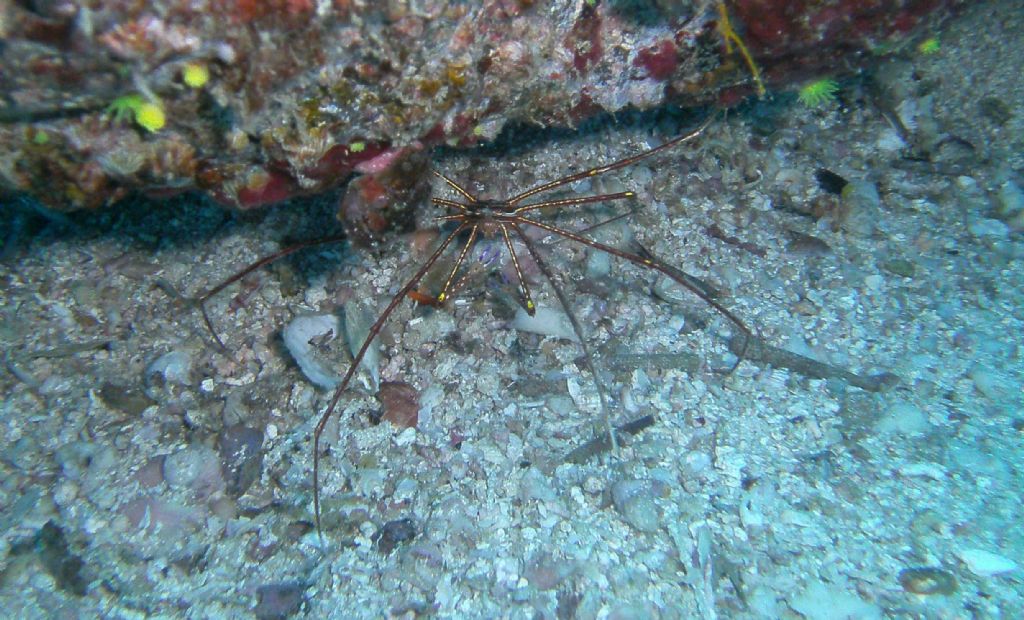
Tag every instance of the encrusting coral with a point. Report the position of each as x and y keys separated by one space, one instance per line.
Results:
x=275 y=99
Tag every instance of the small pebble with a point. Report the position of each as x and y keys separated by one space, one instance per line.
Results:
x=923 y=470
x=900 y=267
x=405 y=489
x=358 y=319
x=1009 y=200
x=151 y=474
x=807 y=245
x=241 y=457
x=169 y=520
x=400 y=402
x=196 y=467
x=988 y=228
x=890 y=140
x=986 y=382
x=278 y=601
x=91 y=465
x=927 y=580
x=861 y=203
x=174 y=367
x=393 y=533
x=547 y=573
x=224 y=508
x=904 y=419
x=832 y=601
x=696 y=463
x=599 y=264
x=124 y=399
x=406 y=437
x=314 y=295
x=593 y=485
x=535 y=486
x=635 y=501
x=874 y=282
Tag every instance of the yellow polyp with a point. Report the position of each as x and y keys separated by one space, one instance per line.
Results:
x=530 y=305
x=150 y=116
x=195 y=75
x=729 y=35
x=929 y=46
x=357 y=147
x=818 y=93
x=441 y=298
x=630 y=194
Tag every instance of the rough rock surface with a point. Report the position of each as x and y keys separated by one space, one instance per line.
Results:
x=254 y=102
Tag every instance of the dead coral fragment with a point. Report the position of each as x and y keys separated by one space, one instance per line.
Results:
x=602 y=443
x=759 y=351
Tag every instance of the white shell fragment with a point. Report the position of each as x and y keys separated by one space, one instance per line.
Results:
x=299 y=337
x=546 y=322
x=174 y=367
x=357 y=327
x=985 y=563
x=903 y=418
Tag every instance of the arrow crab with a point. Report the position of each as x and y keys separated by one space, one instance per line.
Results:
x=468 y=219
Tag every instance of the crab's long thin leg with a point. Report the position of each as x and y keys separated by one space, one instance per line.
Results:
x=454 y=217
x=622 y=163
x=530 y=307
x=591 y=360
x=452 y=184
x=442 y=202
x=205 y=297
x=358 y=357
x=649 y=263
x=443 y=295
x=578 y=200
x=595 y=226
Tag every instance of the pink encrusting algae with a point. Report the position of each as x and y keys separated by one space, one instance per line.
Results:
x=289 y=86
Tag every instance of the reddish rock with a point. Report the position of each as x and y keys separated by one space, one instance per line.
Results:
x=301 y=93
x=401 y=403
x=384 y=198
x=660 y=61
